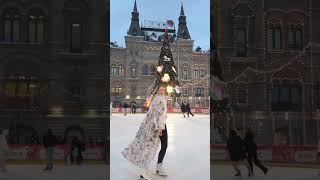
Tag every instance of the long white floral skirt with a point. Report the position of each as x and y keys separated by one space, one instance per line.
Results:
x=143 y=148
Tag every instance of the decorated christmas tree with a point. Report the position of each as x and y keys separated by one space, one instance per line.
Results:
x=166 y=72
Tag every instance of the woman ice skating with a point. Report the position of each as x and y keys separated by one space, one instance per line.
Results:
x=251 y=148
x=152 y=131
x=4 y=150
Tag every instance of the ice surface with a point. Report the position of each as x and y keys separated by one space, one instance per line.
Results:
x=188 y=153
x=61 y=172
x=225 y=172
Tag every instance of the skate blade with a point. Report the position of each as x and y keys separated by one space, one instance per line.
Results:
x=142 y=178
x=162 y=175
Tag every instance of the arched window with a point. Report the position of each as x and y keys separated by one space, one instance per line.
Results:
x=113 y=69
x=75 y=37
x=152 y=68
x=185 y=72
x=203 y=72
x=116 y=89
x=241 y=41
x=196 y=72
x=36 y=21
x=22 y=91
x=242 y=94
x=286 y=96
x=296 y=37
x=199 y=92
x=121 y=70
x=145 y=70
x=11 y=26
x=134 y=72
x=274 y=37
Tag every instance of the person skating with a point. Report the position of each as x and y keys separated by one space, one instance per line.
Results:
x=252 y=155
x=4 y=150
x=151 y=133
x=133 y=108
x=183 y=109
x=235 y=147
x=125 y=108
x=49 y=142
x=188 y=109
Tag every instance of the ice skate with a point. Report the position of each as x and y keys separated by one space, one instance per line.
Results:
x=144 y=175
x=160 y=171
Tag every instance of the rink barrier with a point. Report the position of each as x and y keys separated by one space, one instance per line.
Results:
x=170 y=110
x=275 y=153
x=37 y=152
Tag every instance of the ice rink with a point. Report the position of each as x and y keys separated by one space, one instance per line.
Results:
x=226 y=172
x=188 y=150
x=61 y=172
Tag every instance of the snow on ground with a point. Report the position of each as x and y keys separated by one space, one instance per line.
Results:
x=188 y=150
x=226 y=172
x=61 y=172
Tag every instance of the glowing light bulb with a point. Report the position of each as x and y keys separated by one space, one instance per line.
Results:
x=165 y=78
x=169 y=89
x=148 y=102
x=159 y=68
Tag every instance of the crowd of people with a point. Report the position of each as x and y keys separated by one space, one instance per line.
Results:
x=244 y=151
x=75 y=148
x=132 y=108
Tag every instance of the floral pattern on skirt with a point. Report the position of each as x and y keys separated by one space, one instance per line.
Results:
x=143 y=148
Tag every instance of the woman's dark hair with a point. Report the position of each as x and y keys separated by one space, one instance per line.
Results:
x=249 y=135
x=232 y=133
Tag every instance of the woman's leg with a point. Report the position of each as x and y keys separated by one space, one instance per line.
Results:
x=2 y=163
x=236 y=168
x=164 y=144
x=258 y=163
x=249 y=158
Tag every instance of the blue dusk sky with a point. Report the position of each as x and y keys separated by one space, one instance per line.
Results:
x=197 y=12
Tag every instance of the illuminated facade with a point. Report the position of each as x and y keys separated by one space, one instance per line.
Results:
x=131 y=67
x=53 y=65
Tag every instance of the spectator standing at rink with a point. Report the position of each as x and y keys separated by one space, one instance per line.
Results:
x=133 y=108
x=125 y=108
x=251 y=149
x=236 y=150
x=49 y=143
x=76 y=151
x=4 y=150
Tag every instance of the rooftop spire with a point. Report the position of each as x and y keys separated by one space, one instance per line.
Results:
x=183 y=31
x=135 y=29
x=135 y=9
x=182 y=11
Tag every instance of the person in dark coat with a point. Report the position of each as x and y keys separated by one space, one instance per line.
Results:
x=188 y=109
x=235 y=146
x=134 y=108
x=252 y=155
x=183 y=109
x=49 y=142
x=125 y=107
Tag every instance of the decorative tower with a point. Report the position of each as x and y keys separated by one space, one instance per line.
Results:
x=183 y=31
x=135 y=29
